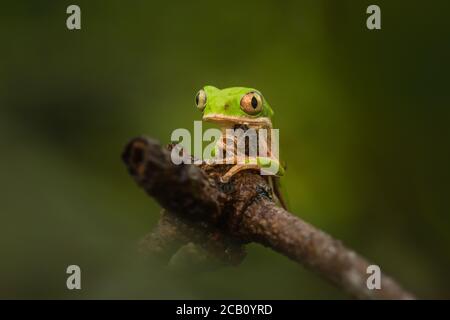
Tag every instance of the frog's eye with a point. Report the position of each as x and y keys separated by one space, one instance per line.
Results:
x=200 y=100
x=251 y=103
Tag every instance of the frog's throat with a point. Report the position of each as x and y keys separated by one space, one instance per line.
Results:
x=229 y=121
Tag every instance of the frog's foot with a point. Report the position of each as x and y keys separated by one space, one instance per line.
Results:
x=235 y=169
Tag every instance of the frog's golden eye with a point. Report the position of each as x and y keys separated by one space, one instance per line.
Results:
x=252 y=103
x=200 y=100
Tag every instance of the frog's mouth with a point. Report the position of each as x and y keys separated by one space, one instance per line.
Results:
x=230 y=121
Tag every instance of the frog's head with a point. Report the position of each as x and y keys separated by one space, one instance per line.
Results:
x=231 y=106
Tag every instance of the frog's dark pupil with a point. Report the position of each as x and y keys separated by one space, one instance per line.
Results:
x=254 y=103
x=196 y=98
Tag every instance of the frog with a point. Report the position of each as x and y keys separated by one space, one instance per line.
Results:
x=244 y=108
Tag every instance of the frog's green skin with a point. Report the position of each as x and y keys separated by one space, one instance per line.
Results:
x=224 y=107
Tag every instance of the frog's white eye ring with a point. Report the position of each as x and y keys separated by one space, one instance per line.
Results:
x=200 y=100
x=252 y=103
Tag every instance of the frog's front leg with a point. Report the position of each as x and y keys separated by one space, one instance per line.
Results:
x=271 y=166
x=235 y=169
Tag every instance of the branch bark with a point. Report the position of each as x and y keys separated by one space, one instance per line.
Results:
x=224 y=217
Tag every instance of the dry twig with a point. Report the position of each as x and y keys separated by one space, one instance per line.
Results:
x=223 y=217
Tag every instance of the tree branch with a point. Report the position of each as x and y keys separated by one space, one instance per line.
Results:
x=223 y=217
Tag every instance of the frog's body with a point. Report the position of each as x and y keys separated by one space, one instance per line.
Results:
x=243 y=108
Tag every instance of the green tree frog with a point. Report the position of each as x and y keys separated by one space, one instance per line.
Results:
x=241 y=108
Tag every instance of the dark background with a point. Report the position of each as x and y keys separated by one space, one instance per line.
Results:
x=363 y=118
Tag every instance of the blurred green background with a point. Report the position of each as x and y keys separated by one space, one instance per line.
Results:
x=363 y=118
